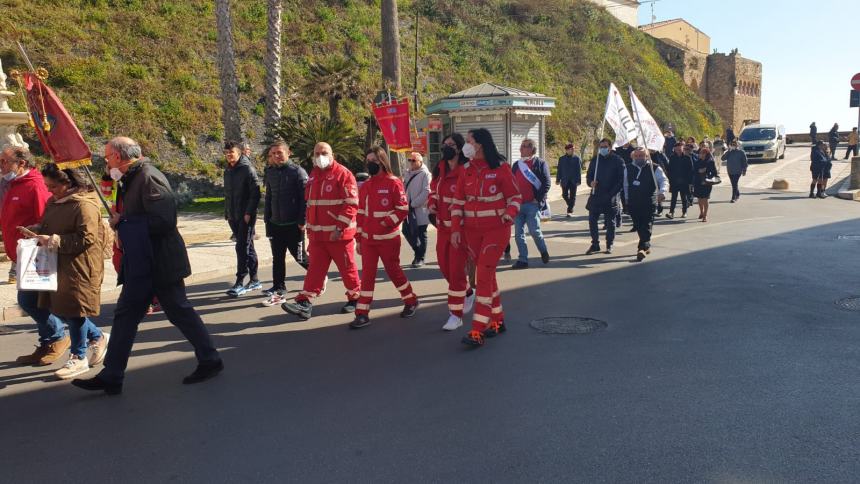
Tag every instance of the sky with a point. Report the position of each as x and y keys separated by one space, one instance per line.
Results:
x=809 y=51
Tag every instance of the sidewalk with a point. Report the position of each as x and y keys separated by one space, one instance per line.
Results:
x=210 y=251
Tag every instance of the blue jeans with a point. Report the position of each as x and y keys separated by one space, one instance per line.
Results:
x=529 y=215
x=50 y=327
x=81 y=331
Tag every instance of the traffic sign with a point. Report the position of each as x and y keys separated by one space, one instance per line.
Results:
x=855 y=82
x=855 y=99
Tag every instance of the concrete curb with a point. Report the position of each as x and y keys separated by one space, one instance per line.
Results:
x=845 y=193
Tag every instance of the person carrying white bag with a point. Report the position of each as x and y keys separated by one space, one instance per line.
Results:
x=70 y=257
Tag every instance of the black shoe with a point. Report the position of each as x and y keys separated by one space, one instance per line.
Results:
x=821 y=194
x=595 y=248
x=640 y=256
x=302 y=309
x=96 y=384
x=632 y=229
x=733 y=200
x=203 y=372
x=409 y=310
x=520 y=265
x=349 y=307
x=569 y=215
x=544 y=257
x=811 y=194
x=495 y=329
x=359 y=322
x=670 y=216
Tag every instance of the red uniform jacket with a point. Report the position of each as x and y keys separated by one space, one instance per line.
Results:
x=442 y=192
x=483 y=196
x=382 y=206
x=23 y=205
x=332 y=198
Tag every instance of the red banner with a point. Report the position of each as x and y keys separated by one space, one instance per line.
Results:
x=56 y=129
x=419 y=142
x=393 y=121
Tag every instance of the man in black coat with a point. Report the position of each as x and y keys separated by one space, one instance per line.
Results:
x=569 y=176
x=833 y=138
x=241 y=201
x=606 y=178
x=154 y=263
x=681 y=167
x=284 y=213
x=813 y=133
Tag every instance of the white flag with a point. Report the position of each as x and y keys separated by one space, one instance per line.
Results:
x=619 y=118
x=651 y=133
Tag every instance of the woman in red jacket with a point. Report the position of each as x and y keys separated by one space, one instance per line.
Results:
x=486 y=202
x=453 y=261
x=382 y=206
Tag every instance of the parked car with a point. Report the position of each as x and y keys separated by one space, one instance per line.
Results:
x=763 y=141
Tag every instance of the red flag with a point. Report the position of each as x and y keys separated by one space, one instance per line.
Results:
x=56 y=129
x=393 y=121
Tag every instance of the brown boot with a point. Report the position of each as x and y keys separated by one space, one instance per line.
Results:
x=33 y=358
x=56 y=350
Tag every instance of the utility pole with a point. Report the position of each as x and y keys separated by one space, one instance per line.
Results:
x=415 y=92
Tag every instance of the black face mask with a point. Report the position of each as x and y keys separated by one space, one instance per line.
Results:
x=373 y=168
x=448 y=153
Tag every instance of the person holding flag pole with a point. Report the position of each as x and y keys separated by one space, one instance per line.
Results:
x=644 y=195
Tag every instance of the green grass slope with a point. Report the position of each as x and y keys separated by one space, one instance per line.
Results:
x=146 y=68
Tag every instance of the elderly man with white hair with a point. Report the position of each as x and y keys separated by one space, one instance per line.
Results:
x=417 y=185
x=644 y=186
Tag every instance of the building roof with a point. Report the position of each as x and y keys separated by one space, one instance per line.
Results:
x=647 y=27
x=492 y=90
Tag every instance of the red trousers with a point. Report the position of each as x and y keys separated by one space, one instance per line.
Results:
x=389 y=252
x=321 y=253
x=452 y=263
x=486 y=247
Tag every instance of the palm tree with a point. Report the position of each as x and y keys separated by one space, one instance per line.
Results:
x=334 y=80
x=227 y=70
x=390 y=46
x=273 y=64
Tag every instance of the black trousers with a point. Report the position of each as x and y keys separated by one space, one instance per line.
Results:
x=285 y=238
x=246 y=255
x=643 y=220
x=568 y=192
x=609 y=214
x=130 y=310
x=418 y=240
x=849 y=150
x=833 y=147
x=683 y=190
x=736 y=193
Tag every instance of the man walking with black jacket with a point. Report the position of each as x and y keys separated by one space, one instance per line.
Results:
x=644 y=187
x=531 y=174
x=241 y=201
x=606 y=178
x=569 y=176
x=833 y=138
x=681 y=169
x=154 y=263
x=284 y=214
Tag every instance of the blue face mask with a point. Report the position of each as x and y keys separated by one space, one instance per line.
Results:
x=604 y=151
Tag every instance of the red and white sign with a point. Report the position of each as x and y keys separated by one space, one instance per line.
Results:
x=434 y=124
x=393 y=121
x=855 y=82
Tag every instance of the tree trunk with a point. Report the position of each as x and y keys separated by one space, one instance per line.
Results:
x=227 y=70
x=273 y=64
x=334 y=108
x=391 y=59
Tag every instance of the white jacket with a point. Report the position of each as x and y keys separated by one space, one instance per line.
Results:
x=418 y=192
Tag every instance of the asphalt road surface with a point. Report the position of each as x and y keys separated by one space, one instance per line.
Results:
x=725 y=359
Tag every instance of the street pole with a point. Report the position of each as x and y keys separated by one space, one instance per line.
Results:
x=415 y=92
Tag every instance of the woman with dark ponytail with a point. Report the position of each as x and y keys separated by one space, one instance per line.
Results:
x=485 y=204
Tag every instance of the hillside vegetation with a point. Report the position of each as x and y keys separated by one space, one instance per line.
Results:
x=146 y=68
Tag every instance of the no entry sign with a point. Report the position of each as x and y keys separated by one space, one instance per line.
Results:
x=855 y=82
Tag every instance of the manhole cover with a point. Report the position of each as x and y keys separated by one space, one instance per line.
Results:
x=568 y=325
x=849 y=303
x=848 y=237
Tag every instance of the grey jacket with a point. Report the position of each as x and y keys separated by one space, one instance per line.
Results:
x=736 y=162
x=241 y=190
x=147 y=197
x=417 y=183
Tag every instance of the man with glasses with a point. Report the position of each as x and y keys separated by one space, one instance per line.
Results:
x=531 y=175
x=417 y=185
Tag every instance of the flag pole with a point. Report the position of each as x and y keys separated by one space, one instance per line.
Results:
x=642 y=132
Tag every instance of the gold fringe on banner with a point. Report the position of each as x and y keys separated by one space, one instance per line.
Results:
x=74 y=164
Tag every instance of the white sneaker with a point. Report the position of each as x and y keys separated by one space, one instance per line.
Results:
x=74 y=367
x=99 y=349
x=469 y=302
x=275 y=299
x=453 y=323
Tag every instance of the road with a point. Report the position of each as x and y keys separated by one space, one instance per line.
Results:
x=725 y=359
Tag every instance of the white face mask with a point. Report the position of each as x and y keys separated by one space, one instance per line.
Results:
x=10 y=176
x=115 y=174
x=468 y=151
x=322 y=162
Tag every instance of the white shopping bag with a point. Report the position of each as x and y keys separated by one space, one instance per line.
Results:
x=37 y=267
x=545 y=213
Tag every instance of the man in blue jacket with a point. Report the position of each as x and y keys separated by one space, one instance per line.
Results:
x=531 y=175
x=606 y=179
x=569 y=176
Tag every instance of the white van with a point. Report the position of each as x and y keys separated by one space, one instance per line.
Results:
x=763 y=141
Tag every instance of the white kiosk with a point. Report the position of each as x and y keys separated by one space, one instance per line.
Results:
x=511 y=115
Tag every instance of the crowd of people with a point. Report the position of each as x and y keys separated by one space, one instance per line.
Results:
x=474 y=198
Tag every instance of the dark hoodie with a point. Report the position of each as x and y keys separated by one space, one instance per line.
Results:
x=241 y=190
